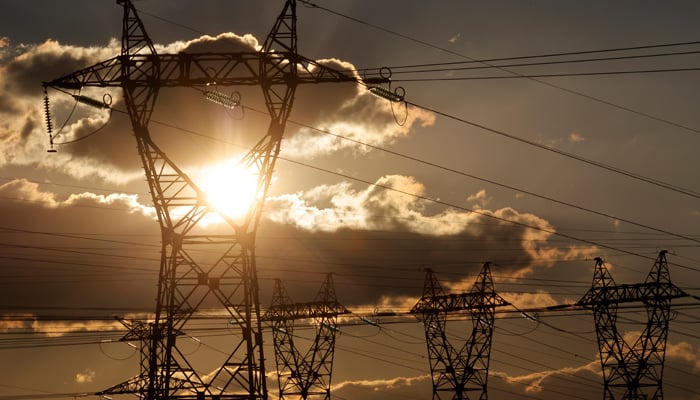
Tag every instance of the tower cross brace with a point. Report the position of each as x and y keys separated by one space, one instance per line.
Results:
x=305 y=375
x=186 y=280
x=632 y=371
x=459 y=373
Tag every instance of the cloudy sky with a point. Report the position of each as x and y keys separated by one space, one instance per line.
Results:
x=535 y=168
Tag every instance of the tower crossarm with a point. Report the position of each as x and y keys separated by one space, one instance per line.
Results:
x=649 y=291
x=199 y=69
x=314 y=309
x=457 y=302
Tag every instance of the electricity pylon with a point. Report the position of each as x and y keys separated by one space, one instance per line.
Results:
x=187 y=279
x=632 y=372
x=459 y=374
x=305 y=376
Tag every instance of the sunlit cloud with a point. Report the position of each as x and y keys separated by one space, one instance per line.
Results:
x=30 y=323
x=535 y=382
x=398 y=203
x=85 y=376
x=374 y=207
x=575 y=137
x=480 y=198
x=382 y=384
x=377 y=128
x=24 y=190
x=684 y=351
x=110 y=154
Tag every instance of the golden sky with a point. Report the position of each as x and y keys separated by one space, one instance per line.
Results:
x=537 y=174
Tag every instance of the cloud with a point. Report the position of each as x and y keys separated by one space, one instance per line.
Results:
x=348 y=112
x=62 y=250
x=479 y=198
x=399 y=387
x=373 y=208
x=685 y=352
x=31 y=323
x=85 y=376
x=392 y=225
x=571 y=138
x=95 y=143
x=536 y=382
x=575 y=137
x=26 y=191
x=23 y=134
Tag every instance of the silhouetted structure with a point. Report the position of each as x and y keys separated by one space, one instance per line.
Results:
x=186 y=278
x=305 y=376
x=632 y=372
x=462 y=373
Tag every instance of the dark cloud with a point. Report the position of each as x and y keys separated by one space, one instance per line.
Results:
x=379 y=241
x=73 y=253
x=24 y=73
x=190 y=130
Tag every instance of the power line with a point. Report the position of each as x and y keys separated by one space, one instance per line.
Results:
x=442 y=167
x=613 y=169
x=474 y=211
x=687 y=192
x=458 y=65
x=558 y=87
x=551 y=75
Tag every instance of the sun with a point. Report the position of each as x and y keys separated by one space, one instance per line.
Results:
x=229 y=188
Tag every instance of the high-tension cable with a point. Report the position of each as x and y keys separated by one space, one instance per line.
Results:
x=552 y=85
x=596 y=243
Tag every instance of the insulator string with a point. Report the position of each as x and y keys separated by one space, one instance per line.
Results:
x=47 y=115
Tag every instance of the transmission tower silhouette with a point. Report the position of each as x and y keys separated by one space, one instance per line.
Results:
x=187 y=280
x=305 y=376
x=459 y=374
x=632 y=372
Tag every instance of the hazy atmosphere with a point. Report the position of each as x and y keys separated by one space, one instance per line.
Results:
x=533 y=135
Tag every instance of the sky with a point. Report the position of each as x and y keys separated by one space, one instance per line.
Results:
x=533 y=173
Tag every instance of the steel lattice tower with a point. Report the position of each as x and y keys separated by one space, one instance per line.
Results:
x=305 y=376
x=632 y=372
x=186 y=280
x=459 y=374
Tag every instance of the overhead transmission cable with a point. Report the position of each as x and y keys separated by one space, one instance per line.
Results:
x=445 y=203
x=570 y=91
x=548 y=75
x=655 y=182
x=451 y=66
x=675 y=188
x=441 y=202
x=517 y=189
x=455 y=67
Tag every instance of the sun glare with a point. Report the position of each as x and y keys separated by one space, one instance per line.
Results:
x=229 y=188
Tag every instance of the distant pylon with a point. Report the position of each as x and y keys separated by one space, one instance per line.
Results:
x=632 y=372
x=304 y=376
x=459 y=374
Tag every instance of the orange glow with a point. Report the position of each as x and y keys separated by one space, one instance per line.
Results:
x=229 y=188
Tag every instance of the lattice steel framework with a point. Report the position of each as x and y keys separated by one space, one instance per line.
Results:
x=305 y=376
x=632 y=372
x=187 y=280
x=459 y=374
